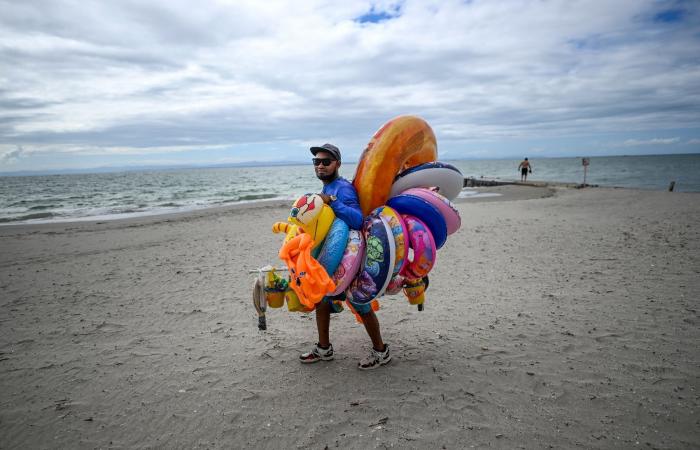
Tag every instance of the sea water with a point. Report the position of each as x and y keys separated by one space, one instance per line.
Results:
x=99 y=196
x=654 y=172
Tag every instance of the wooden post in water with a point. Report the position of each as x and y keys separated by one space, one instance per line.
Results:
x=671 y=186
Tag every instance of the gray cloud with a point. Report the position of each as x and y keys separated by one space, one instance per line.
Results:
x=142 y=75
x=12 y=155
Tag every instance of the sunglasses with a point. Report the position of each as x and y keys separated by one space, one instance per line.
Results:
x=325 y=161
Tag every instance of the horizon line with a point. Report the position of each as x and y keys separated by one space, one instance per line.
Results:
x=254 y=163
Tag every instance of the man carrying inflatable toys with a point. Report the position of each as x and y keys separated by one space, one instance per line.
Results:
x=341 y=196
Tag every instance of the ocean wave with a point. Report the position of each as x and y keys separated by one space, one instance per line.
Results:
x=249 y=198
x=46 y=215
x=256 y=197
x=42 y=207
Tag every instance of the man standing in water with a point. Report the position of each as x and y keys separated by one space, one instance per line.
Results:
x=340 y=194
x=524 y=168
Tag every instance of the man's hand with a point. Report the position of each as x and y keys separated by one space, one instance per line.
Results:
x=326 y=198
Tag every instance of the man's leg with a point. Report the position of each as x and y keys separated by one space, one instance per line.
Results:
x=371 y=324
x=323 y=322
x=323 y=351
x=380 y=352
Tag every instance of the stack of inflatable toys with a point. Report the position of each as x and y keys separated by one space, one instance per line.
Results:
x=405 y=195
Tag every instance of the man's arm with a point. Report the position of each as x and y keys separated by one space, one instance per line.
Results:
x=347 y=207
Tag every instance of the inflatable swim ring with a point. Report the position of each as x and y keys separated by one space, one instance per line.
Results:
x=378 y=263
x=395 y=285
x=334 y=245
x=446 y=177
x=350 y=262
x=423 y=210
x=422 y=255
x=446 y=208
x=398 y=229
x=403 y=142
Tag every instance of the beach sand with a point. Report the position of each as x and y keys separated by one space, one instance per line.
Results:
x=555 y=318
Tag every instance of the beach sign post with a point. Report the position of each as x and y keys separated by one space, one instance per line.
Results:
x=585 y=162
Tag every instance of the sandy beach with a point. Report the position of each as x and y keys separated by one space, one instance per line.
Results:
x=555 y=318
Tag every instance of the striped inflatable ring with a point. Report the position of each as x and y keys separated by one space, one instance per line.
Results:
x=423 y=210
x=446 y=208
x=446 y=177
x=398 y=229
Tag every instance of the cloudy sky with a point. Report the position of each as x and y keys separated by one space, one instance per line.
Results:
x=120 y=83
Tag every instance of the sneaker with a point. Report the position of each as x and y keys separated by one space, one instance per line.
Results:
x=375 y=359
x=317 y=354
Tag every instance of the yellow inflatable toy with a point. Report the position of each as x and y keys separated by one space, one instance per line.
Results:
x=312 y=217
x=308 y=215
x=401 y=143
x=287 y=228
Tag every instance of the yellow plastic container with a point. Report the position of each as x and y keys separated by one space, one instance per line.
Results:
x=293 y=303
x=415 y=292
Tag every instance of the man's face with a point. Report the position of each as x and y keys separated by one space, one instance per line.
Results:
x=325 y=172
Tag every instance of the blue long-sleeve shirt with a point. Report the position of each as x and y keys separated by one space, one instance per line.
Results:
x=346 y=205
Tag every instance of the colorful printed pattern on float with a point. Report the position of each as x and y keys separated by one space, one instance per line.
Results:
x=398 y=229
x=351 y=261
x=379 y=259
x=423 y=247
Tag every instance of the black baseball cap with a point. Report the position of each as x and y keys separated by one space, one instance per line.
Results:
x=330 y=148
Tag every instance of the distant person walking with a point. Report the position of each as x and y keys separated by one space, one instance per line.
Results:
x=524 y=168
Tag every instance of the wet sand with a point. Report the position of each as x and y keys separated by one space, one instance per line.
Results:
x=555 y=317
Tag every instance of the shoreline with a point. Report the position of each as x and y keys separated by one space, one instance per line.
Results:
x=505 y=193
x=470 y=182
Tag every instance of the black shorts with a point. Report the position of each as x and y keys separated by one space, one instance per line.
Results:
x=523 y=171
